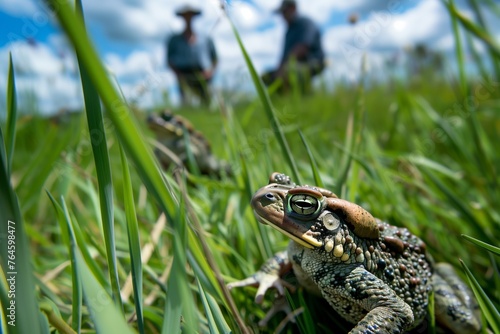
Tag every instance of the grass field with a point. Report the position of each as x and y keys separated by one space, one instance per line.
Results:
x=86 y=197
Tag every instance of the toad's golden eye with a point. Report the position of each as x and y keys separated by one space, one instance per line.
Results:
x=303 y=204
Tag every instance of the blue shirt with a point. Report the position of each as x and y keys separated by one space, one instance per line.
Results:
x=303 y=30
x=199 y=55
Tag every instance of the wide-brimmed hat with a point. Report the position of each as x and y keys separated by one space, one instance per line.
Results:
x=187 y=9
x=285 y=4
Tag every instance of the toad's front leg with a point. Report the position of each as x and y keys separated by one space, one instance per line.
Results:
x=268 y=276
x=359 y=296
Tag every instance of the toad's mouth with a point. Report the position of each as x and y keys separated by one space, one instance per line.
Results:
x=300 y=237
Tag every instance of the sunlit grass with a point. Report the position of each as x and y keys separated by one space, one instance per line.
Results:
x=418 y=156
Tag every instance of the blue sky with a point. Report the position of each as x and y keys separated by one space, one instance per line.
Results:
x=130 y=36
x=17 y=27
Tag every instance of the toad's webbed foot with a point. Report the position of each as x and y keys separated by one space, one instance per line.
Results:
x=264 y=282
x=267 y=277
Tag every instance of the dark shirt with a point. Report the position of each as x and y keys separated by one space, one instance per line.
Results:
x=303 y=30
x=184 y=56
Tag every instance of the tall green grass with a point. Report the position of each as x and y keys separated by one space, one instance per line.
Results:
x=90 y=195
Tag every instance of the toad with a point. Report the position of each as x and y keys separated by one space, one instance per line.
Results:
x=374 y=275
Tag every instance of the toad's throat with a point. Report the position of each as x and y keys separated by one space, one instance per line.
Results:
x=302 y=239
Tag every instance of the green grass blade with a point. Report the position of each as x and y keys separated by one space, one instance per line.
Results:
x=107 y=318
x=480 y=140
x=479 y=153
x=216 y=322
x=479 y=59
x=4 y=292
x=457 y=202
x=487 y=307
x=11 y=114
x=179 y=299
x=192 y=164
x=103 y=170
x=132 y=141
x=264 y=242
x=488 y=247
x=314 y=167
x=117 y=109
x=370 y=170
x=432 y=164
x=41 y=165
x=15 y=257
x=54 y=317
x=212 y=326
x=96 y=271
x=133 y=240
x=304 y=320
x=202 y=270
x=129 y=136
x=207 y=270
x=493 y=6
x=68 y=238
x=353 y=134
x=475 y=29
x=345 y=164
x=222 y=326
x=458 y=46
x=458 y=144
x=268 y=108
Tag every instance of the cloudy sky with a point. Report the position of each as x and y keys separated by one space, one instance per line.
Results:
x=130 y=37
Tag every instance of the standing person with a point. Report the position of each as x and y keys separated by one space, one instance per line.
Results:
x=303 y=54
x=192 y=57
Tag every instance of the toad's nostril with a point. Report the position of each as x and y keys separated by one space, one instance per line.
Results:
x=269 y=196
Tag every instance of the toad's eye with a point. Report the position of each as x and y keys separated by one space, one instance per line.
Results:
x=304 y=204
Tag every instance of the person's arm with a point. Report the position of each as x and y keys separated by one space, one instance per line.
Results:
x=305 y=39
x=299 y=51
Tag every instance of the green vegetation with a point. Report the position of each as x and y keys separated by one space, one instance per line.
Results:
x=421 y=154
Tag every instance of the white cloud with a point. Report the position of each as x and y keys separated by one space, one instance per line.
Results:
x=384 y=34
x=363 y=7
x=245 y=16
x=320 y=11
x=42 y=74
x=36 y=60
x=329 y=7
x=137 y=64
x=429 y=16
x=383 y=31
x=143 y=22
x=142 y=76
x=53 y=93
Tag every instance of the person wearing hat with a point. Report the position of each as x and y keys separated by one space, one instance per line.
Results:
x=303 y=55
x=192 y=57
